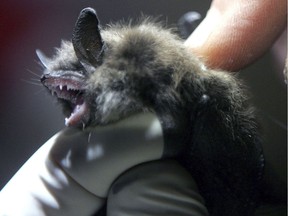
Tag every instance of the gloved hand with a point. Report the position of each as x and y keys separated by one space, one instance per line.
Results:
x=160 y=187
x=72 y=174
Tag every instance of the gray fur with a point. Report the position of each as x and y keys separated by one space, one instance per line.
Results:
x=136 y=57
x=146 y=68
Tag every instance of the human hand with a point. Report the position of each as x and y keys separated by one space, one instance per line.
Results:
x=235 y=33
x=76 y=172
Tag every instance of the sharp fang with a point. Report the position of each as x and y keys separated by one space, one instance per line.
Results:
x=61 y=87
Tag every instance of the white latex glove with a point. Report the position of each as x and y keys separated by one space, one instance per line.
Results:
x=71 y=173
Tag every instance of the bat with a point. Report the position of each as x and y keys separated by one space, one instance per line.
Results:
x=107 y=74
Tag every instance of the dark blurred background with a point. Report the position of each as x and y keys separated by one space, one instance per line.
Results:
x=29 y=116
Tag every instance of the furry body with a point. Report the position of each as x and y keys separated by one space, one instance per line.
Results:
x=127 y=69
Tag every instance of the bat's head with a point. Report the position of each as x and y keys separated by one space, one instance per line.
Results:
x=66 y=75
x=106 y=75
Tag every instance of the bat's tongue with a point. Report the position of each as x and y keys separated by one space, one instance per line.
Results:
x=79 y=115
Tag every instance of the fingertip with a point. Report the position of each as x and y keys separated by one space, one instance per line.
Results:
x=236 y=33
x=198 y=38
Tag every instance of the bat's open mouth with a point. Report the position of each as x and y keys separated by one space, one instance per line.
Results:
x=69 y=91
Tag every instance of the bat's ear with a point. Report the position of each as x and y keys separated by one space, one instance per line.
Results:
x=86 y=39
x=45 y=61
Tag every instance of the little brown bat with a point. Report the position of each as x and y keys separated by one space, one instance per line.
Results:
x=105 y=75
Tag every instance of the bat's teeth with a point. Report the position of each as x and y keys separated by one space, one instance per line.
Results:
x=70 y=88
x=61 y=87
